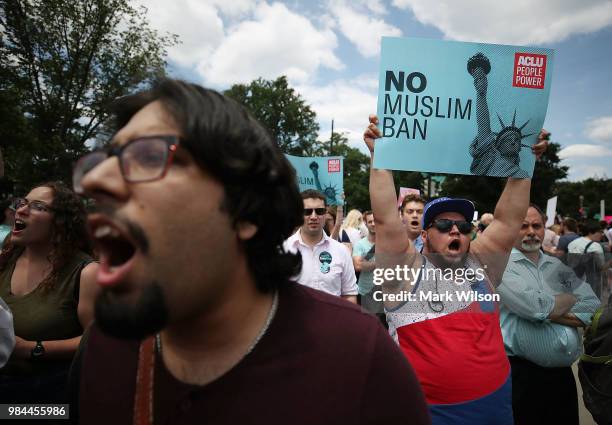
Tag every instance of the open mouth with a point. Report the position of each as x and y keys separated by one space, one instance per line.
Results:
x=19 y=225
x=414 y=223
x=115 y=248
x=454 y=246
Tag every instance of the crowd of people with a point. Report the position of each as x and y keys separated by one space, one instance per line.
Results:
x=221 y=294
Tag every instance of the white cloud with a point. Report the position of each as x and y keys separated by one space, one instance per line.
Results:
x=234 y=8
x=198 y=24
x=360 y=28
x=600 y=129
x=515 y=22
x=581 y=171
x=347 y=102
x=275 y=42
x=584 y=151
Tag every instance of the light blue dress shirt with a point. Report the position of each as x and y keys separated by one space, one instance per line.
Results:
x=4 y=231
x=527 y=293
x=418 y=244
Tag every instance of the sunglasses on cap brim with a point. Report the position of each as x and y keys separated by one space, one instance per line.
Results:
x=445 y=225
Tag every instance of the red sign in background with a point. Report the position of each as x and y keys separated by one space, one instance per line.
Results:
x=333 y=165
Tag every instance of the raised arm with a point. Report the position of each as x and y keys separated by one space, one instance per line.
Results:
x=493 y=246
x=391 y=236
x=335 y=233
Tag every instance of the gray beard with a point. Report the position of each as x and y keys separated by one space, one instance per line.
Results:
x=531 y=247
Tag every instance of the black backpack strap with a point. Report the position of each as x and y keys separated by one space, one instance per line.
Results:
x=587 y=247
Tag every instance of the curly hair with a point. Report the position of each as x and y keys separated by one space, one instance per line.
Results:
x=69 y=234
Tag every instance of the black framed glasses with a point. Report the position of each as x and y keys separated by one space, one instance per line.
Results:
x=38 y=206
x=318 y=211
x=445 y=225
x=143 y=159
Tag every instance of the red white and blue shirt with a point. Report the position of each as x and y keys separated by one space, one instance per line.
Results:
x=456 y=348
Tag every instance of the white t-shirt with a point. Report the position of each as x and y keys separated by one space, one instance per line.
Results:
x=354 y=235
x=327 y=266
x=551 y=239
x=578 y=245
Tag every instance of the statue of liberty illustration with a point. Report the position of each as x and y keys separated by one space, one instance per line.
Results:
x=328 y=191
x=494 y=154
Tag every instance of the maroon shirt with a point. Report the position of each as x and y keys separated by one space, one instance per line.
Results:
x=322 y=361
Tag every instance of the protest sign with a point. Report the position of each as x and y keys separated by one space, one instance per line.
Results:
x=324 y=174
x=551 y=211
x=461 y=108
x=403 y=192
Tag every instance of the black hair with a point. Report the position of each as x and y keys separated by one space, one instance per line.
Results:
x=4 y=204
x=69 y=234
x=313 y=194
x=259 y=183
x=570 y=224
x=591 y=226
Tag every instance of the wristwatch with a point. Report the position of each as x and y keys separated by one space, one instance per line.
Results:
x=38 y=351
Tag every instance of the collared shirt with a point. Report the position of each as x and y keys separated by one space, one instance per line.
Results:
x=366 y=278
x=418 y=244
x=4 y=231
x=527 y=294
x=327 y=266
x=7 y=335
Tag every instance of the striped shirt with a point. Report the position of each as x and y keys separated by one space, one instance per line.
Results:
x=527 y=295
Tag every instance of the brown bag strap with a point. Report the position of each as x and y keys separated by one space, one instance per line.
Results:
x=143 y=400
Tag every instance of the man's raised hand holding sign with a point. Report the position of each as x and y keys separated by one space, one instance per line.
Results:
x=442 y=302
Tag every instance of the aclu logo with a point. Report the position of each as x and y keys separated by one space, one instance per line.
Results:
x=529 y=70
x=333 y=165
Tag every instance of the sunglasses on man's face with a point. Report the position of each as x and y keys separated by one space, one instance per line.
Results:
x=445 y=225
x=318 y=211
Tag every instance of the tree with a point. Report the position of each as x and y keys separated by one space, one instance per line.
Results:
x=279 y=108
x=356 y=172
x=411 y=179
x=62 y=63
x=547 y=172
x=592 y=190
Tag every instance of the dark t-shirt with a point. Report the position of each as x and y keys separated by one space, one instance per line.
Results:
x=565 y=240
x=322 y=361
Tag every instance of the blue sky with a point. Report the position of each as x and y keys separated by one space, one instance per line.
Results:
x=329 y=49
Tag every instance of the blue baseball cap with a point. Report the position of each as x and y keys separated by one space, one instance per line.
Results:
x=441 y=205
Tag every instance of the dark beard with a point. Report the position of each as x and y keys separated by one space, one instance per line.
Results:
x=147 y=317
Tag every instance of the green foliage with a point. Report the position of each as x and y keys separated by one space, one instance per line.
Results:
x=547 y=172
x=279 y=108
x=411 y=179
x=483 y=191
x=356 y=172
x=62 y=62
x=593 y=191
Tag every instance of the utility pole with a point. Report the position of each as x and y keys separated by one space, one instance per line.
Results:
x=331 y=140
